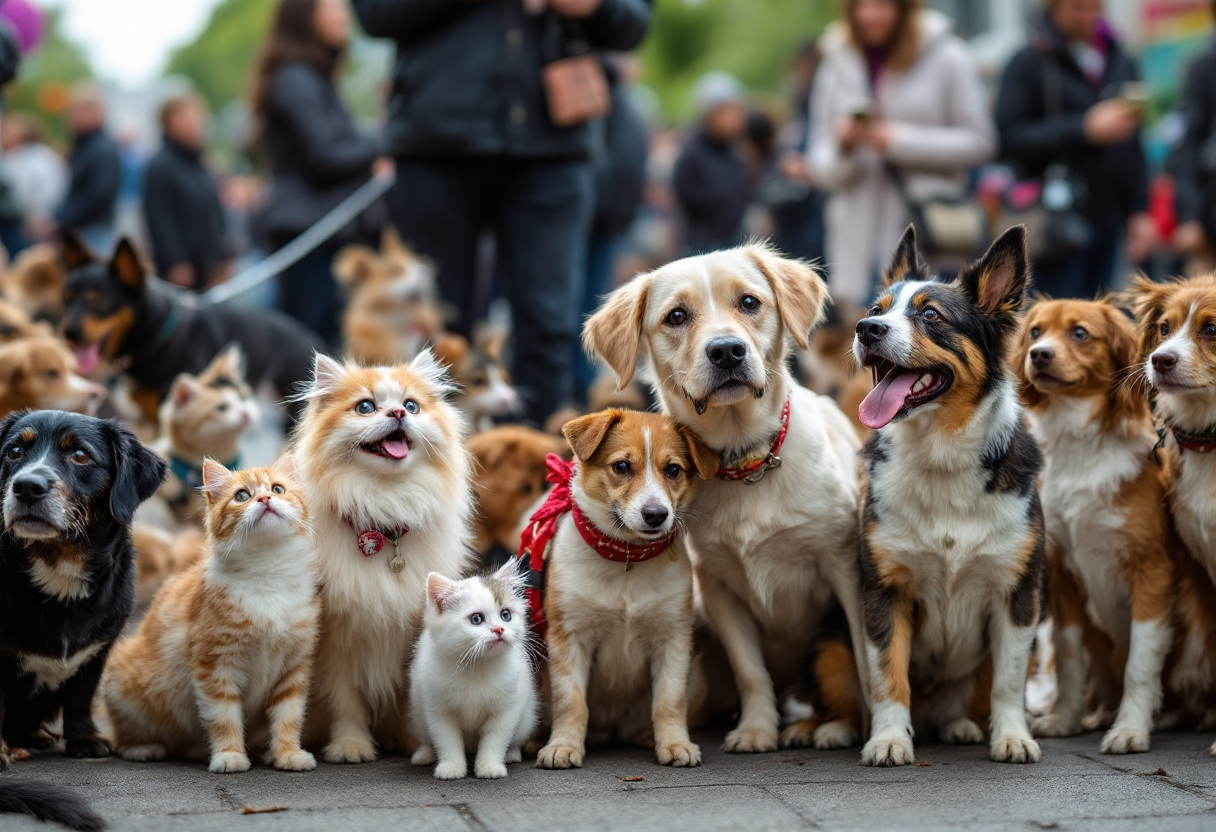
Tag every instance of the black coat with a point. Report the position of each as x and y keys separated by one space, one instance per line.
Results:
x=317 y=155
x=183 y=212
x=96 y=169
x=467 y=79
x=620 y=169
x=1194 y=160
x=1115 y=177
x=713 y=187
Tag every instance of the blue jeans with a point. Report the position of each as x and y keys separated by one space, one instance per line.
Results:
x=309 y=293
x=1087 y=272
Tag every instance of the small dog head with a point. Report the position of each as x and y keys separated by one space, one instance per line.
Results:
x=936 y=345
x=34 y=282
x=509 y=477
x=636 y=471
x=39 y=372
x=1177 y=331
x=99 y=299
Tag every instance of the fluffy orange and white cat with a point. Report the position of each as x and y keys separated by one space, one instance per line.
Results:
x=226 y=650
x=380 y=452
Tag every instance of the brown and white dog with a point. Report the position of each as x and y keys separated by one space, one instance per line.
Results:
x=619 y=631
x=774 y=547
x=39 y=372
x=508 y=476
x=1107 y=522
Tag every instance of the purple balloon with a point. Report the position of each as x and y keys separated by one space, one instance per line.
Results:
x=26 y=19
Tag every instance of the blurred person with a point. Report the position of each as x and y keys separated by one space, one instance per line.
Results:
x=1194 y=160
x=96 y=171
x=477 y=148
x=317 y=156
x=1061 y=107
x=712 y=181
x=896 y=95
x=181 y=202
x=37 y=175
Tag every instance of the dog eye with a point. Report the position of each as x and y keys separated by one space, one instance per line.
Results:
x=621 y=467
x=365 y=407
x=1034 y=332
x=505 y=615
x=1208 y=331
x=278 y=489
x=1165 y=330
x=875 y=310
x=52 y=373
x=476 y=619
x=929 y=313
x=674 y=471
x=241 y=496
x=749 y=303
x=676 y=317
x=13 y=452
x=1079 y=334
x=80 y=456
x=526 y=488
x=411 y=406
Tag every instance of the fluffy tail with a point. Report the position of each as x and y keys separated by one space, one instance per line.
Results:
x=46 y=801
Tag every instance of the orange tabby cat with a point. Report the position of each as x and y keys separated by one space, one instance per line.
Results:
x=231 y=637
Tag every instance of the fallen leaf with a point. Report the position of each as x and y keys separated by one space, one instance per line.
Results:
x=1050 y=824
x=19 y=754
x=924 y=765
x=262 y=810
x=637 y=778
x=1160 y=773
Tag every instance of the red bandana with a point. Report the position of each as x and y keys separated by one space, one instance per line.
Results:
x=543 y=526
x=754 y=471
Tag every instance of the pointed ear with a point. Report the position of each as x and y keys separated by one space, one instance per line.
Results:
x=231 y=360
x=354 y=264
x=452 y=351
x=184 y=388
x=437 y=588
x=391 y=242
x=428 y=367
x=509 y=576
x=1017 y=364
x=286 y=465
x=73 y=250
x=704 y=458
x=614 y=333
x=127 y=265
x=327 y=374
x=1147 y=301
x=906 y=262
x=996 y=283
x=800 y=291
x=214 y=477
x=586 y=433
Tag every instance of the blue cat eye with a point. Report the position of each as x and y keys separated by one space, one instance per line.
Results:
x=365 y=407
x=241 y=496
x=477 y=619
x=411 y=406
x=277 y=489
x=505 y=615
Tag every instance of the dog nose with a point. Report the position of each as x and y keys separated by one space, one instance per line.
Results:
x=1163 y=362
x=30 y=488
x=654 y=515
x=870 y=330
x=1040 y=357
x=727 y=353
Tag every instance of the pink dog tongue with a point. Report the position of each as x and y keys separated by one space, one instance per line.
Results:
x=396 y=448
x=885 y=400
x=87 y=358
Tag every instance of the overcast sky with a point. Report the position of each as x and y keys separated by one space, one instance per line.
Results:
x=128 y=41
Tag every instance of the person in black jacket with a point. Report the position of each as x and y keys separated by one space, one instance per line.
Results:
x=96 y=171
x=317 y=156
x=182 y=207
x=1194 y=160
x=1086 y=126
x=476 y=149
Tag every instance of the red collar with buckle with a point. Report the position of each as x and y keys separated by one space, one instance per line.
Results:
x=542 y=527
x=1200 y=443
x=755 y=470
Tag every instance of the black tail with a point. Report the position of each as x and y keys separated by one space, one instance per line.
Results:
x=47 y=801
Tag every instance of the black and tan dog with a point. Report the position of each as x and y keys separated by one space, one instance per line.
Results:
x=951 y=525
x=69 y=486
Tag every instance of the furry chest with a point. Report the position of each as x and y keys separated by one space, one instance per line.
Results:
x=951 y=623
x=1093 y=548
x=50 y=672
x=1194 y=502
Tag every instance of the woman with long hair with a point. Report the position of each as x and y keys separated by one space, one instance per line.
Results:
x=317 y=157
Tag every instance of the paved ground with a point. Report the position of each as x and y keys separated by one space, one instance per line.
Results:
x=1074 y=788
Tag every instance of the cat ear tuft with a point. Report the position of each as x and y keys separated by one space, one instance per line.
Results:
x=437 y=588
x=214 y=477
x=183 y=390
x=286 y=465
x=427 y=367
x=510 y=576
x=326 y=375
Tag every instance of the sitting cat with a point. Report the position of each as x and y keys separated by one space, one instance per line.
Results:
x=471 y=678
x=231 y=637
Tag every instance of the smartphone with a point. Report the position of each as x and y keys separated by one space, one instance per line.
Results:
x=1136 y=95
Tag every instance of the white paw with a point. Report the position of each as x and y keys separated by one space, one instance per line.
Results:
x=451 y=770
x=424 y=756
x=559 y=756
x=350 y=751
x=143 y=753
x=298 y=760
x=489 y=770
x=227 y=762
x=888 y=751
x=1055 y=725
x=1212 y=750
x=962 y=731
x=750 y=740
x=514 y=754
x=839 y=733
x=1013 y=748
x=678 y=754
x=1124 y=741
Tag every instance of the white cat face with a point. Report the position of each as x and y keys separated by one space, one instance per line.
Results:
x=477 y=617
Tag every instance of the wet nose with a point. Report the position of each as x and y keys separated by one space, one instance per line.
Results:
x=1040 y=357
x=1163 y=362
x=30 y=488
x=727 y=353
x=654 y=515
x=870 y=330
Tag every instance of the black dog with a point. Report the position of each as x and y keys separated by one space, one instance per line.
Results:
x=69 y=486
x=116 y=310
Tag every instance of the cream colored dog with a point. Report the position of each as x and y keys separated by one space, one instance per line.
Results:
x=773 y=552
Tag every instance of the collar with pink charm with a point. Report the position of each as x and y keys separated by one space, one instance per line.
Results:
x=371 y=541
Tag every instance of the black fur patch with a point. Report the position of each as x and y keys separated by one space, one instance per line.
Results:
x=1016 y=467
x=1028 y=602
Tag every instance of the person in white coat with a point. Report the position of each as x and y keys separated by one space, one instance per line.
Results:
x=895 y=88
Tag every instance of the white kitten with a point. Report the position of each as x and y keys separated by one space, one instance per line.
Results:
x=471 y=678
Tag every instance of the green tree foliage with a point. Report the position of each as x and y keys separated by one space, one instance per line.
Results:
x=46 y=77
x=219 y=62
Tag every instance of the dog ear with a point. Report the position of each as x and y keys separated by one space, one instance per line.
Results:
x=997 y=282
x=905 y=263
x=128 y=266
x=1017 y=364
x=704 y=458
x=136 y=473
x=354 y=264
x=214 y=477
x=586 y=433
x=1147 y=301
x=73 y=250
x=614 y=333
x=800 y=291
x=1126 y=394
x=437 y=589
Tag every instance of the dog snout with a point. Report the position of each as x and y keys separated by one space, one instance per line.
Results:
x=654 y=515
x=1041 y=356
x=30 y=488
x=871 y=330
x=726 y=353
x=1164 y=361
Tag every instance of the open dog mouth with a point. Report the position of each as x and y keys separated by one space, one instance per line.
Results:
x=395 y=446
x=900 y=390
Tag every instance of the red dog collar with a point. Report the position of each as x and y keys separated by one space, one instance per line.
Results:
x=1200 y=443
x=754 y=471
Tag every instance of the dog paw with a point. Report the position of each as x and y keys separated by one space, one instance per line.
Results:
x=87 y=747
x=1212 y=750
x=40 y=740
x=678 y=754
x=798 y=734
x=1015 y=749
x=514 y=754
x=559 y=756
x=298 y=760
x=1055 y=725
x=489 y=770
x=1124 y=741
x=350 y=751
x=962 y=731
x=144 y=753
x=424 y=756
x=750 y=741
x=451 y=770
x=839 y=733
x=228 y=762
x=888 y=751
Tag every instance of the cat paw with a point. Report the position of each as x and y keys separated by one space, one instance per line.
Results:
x=298 y=760
x=1012 y=748
x=750 y=740
x=514 y=754
x=350 y=751
x=678 y=754
x=1055 y=725
x=888 y=751
x=451 y=770
x=798 y=734
x=489 y=770
x=228 y=762
x=144 y=753
x=1124 y=741
x=424 y=756
x=962 y=731
x=559 y=756
x=88 y=747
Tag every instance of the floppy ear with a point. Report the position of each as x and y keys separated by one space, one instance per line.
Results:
x=354 y=264
x=127 y=265
x=586 y=433
x=1017 y=364
x=1126 y=396
x=905 y=263
x=437 y=588
x=1147 y=301
x=800 y=291
x=614 y=333
x=704 y=458
x=214 y=476
x=996 y=283
x=136 y=473
x=73 y=250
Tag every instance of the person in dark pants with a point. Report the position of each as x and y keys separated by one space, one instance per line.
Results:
x=1087 y=128
x=96 y=172
x=477 y=150
x=182 y=209
x=1194 y=160
x=317 y=156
